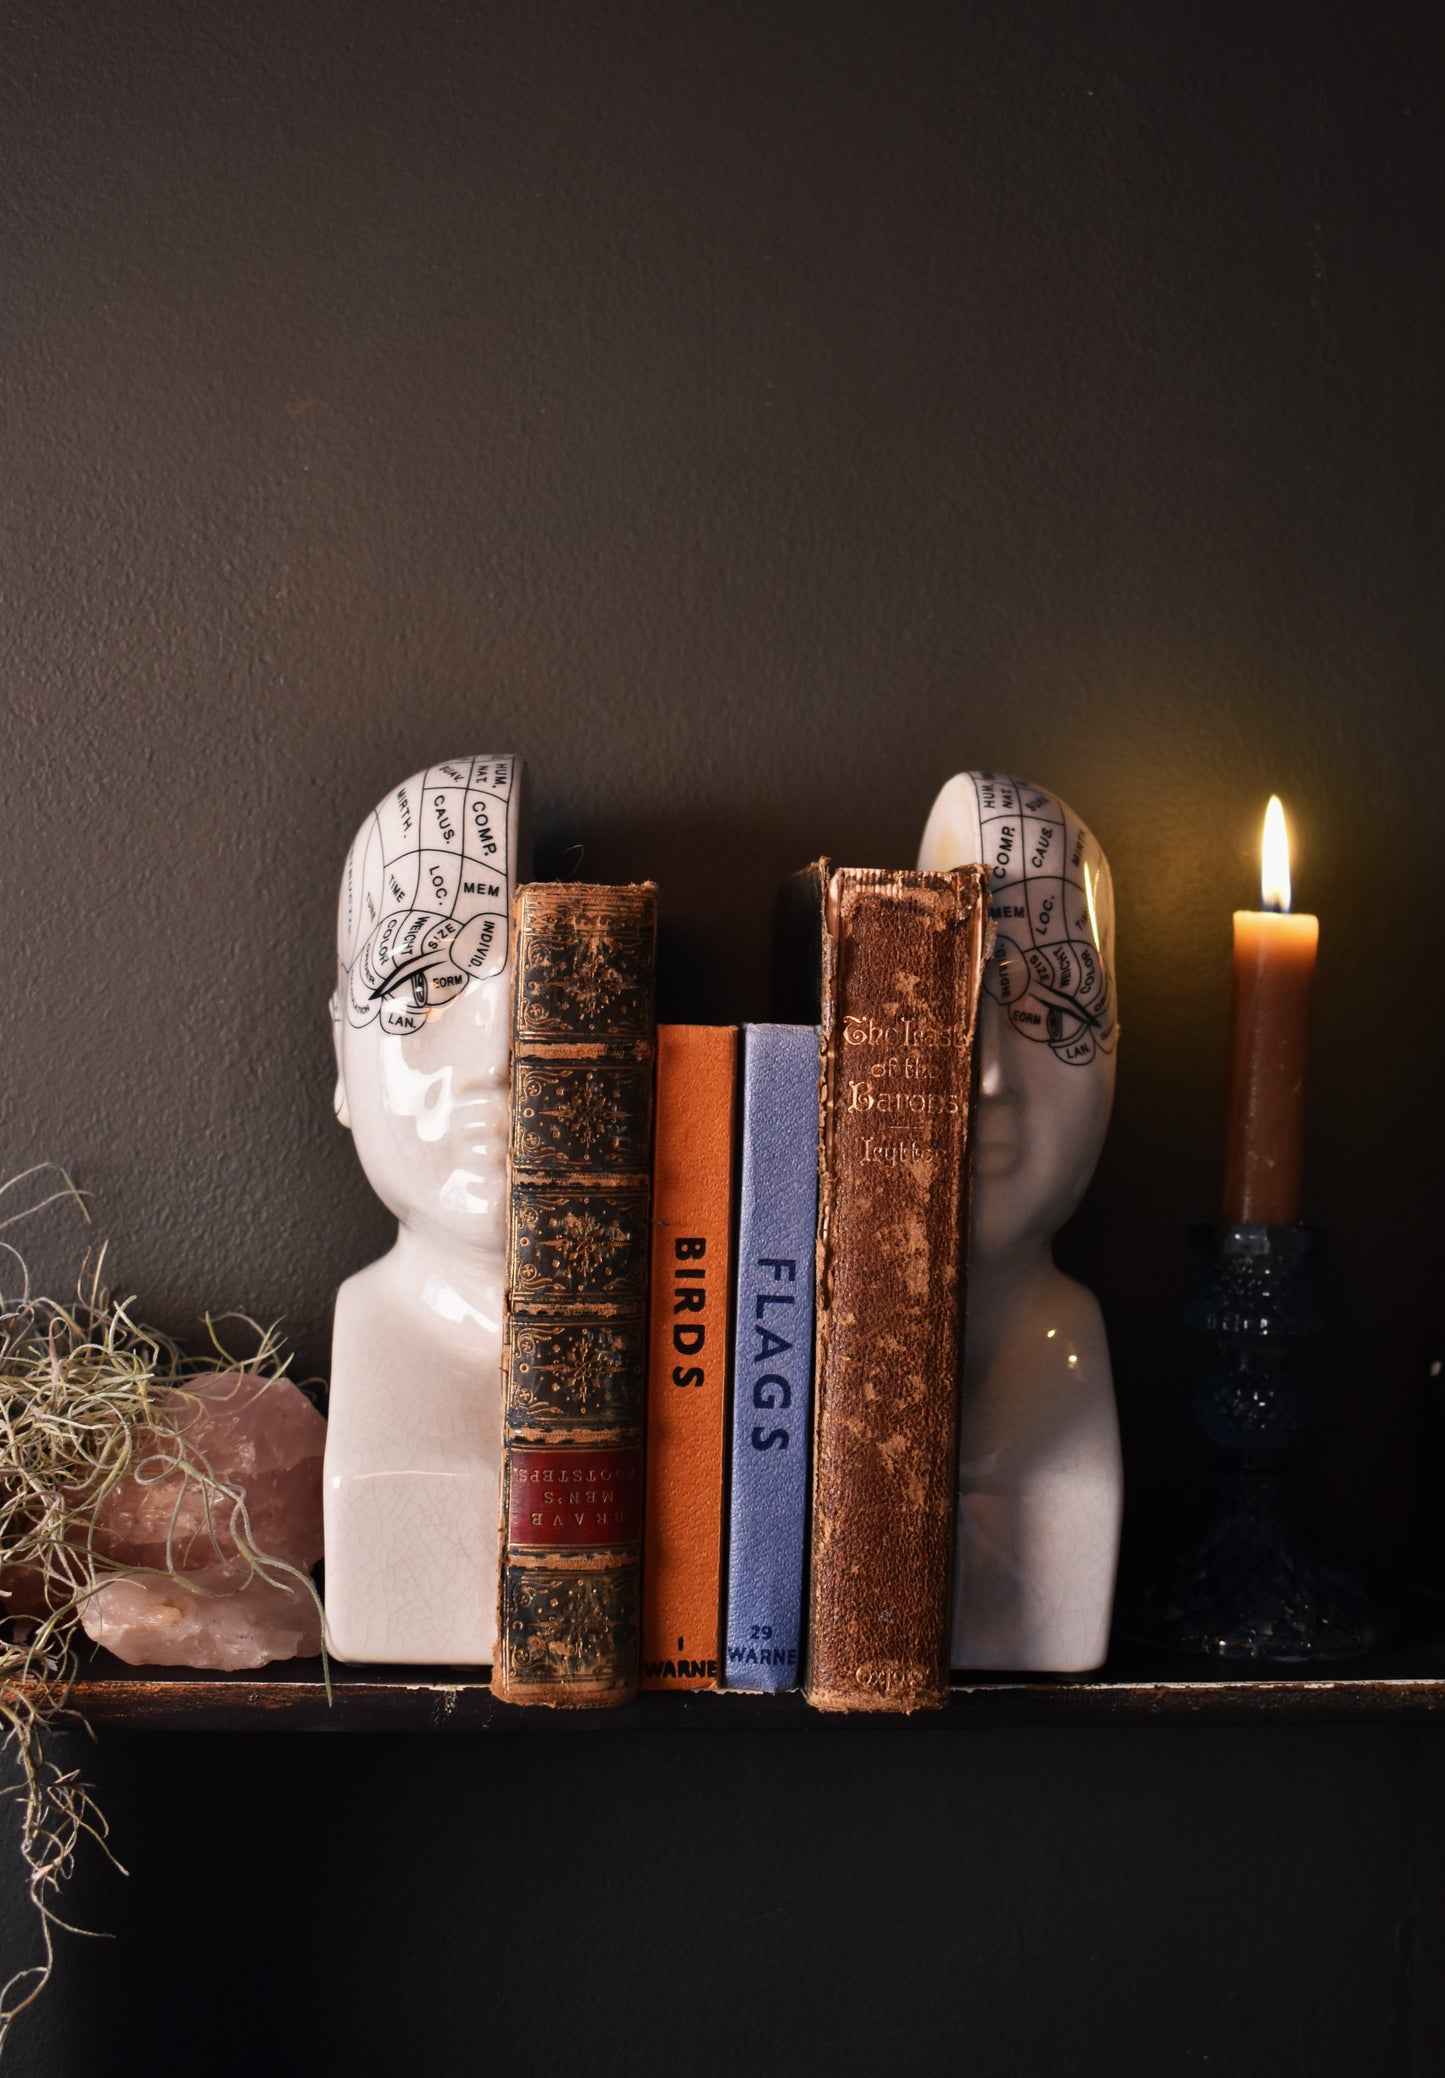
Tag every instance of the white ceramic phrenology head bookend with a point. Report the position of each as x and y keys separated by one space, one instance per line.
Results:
x=421 y=1018
x=1040 y=1481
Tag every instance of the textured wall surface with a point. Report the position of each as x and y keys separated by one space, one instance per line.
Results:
x=752 y=414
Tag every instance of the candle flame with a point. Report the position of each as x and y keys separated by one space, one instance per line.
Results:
x=1274 y=888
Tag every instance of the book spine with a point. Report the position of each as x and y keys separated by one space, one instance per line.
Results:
x=575 y=1334
x=902 y=961
x=772 y=1358
x=688 y=1354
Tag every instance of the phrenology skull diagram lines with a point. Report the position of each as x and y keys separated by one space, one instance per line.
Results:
x=1051 y=899
x=425 y=898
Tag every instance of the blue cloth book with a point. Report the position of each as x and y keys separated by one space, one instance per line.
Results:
x=773 y=1358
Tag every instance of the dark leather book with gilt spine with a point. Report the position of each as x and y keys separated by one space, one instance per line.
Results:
x=897 y=960
x=574 y=1353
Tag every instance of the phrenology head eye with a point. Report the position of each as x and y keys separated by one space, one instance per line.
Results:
x=415 y=962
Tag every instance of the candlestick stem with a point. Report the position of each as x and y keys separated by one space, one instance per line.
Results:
x=1256 y=1588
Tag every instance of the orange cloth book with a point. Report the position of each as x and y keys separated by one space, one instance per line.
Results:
x=687 y=1400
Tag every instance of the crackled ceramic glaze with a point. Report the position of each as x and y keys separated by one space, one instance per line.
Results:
x=421 y=1019
x=1040 y=1488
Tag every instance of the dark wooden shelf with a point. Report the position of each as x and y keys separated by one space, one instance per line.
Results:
x=1406 y=1684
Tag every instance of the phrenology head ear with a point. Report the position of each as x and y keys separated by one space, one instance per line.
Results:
x=1051 y=901
x=426 y=897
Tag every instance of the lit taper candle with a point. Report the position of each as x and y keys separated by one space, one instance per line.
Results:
x=1274 y=971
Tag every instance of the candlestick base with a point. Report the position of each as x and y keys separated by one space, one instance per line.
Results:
x=1255 y=1587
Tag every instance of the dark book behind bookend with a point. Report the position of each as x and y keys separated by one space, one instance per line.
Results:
x=575 y=1339
x=890 y=965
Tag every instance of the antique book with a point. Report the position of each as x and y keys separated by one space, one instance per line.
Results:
x=772 y=1358
x=898 y=959
x=692 y=1175
x=574 y=1344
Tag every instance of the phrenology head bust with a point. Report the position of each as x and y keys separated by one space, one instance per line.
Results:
x=1049 y=1022
x=421 y=1008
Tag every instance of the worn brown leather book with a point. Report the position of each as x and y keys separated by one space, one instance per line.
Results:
x=898 y=959
x=574 y=1349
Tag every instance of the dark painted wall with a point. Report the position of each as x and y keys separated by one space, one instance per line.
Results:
x=753 y=414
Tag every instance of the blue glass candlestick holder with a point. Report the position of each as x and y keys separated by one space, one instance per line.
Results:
x=1256 y=1588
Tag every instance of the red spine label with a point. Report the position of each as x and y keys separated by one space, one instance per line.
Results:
x=574 y=1496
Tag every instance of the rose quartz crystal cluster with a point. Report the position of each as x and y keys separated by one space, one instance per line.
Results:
x=257 y=1433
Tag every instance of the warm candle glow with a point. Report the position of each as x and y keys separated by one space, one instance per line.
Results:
x=1274 y=888
x=1274 y=969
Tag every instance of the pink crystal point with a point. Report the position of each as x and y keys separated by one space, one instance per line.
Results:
x=260 y=1434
